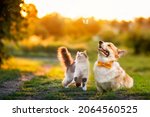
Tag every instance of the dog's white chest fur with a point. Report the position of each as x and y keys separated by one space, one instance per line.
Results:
x=103 y=74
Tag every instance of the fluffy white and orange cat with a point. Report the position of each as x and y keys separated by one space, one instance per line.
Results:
x=75 y=70
x=109 y=75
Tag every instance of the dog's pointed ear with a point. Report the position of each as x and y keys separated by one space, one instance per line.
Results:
x=121 y=52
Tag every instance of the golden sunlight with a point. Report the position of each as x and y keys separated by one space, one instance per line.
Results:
x=100 y=9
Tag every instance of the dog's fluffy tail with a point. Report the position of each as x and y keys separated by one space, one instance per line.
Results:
x=64 y=56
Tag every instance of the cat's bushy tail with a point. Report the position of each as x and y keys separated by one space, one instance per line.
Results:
x=64 y=56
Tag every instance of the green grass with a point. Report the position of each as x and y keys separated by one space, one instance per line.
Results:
x=48 y=86
x=9 y=74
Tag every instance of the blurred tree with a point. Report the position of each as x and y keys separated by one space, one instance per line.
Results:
x=9 y=19
x=139 y=40
x=28 y=10
x=92 y=27
x=79 y=27
x=124 y=26
x=140 y=21
x=108 y=35
x=29 y=24
x=52 y=23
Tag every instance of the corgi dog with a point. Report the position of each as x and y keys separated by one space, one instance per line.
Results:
x=76 y=71
x=109 y=75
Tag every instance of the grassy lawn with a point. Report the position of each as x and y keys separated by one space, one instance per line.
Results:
x=46 y=83
x=9 y=74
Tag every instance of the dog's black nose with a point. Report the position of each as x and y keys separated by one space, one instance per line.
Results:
x=100 y=42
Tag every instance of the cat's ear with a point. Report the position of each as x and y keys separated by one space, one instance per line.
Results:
x=78 y=52
x=85 y=51
x=85 y=54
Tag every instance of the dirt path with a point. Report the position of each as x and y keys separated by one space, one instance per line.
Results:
x=11 y=86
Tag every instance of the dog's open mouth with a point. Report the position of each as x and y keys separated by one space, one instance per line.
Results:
x=104 y=52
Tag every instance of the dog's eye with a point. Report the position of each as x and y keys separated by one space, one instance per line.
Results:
x=109 y=45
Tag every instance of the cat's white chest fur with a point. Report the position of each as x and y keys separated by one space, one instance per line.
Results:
x=81 y=69
x=103 y=74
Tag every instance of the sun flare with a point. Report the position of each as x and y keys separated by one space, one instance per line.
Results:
x=100 y=9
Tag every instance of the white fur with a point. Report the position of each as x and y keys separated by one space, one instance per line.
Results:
x=110 y=78
x=81 y=71
x=103 y=74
